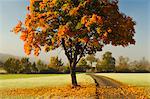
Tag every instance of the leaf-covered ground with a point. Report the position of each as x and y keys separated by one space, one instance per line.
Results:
x=58 y=87
x=83 y=92
x=86 y=91
x=124 y=92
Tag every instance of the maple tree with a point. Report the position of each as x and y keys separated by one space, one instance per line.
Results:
x=79 y=26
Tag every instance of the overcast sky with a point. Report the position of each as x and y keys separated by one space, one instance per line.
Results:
x=13 y=10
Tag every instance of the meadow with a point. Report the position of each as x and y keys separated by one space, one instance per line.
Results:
x=40 y=80
x=133 y=79
x=18 y=76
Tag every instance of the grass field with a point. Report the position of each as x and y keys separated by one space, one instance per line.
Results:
x=37 y=80
x=18 y=76
x=41 y=80
x=135 y=79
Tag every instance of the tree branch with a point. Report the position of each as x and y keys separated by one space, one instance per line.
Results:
x=82 y=52
x=75 y=54
x=67 y=54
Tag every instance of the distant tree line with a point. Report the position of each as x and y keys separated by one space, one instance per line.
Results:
x=125 y=65
x=23 y=65
x=105 y=64
x=122 y=65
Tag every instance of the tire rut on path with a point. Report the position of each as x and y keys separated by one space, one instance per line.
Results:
x=102 y=81
x=105 y=81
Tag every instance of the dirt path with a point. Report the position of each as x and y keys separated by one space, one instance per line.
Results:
x=102 y=81
x=107 y=88
x=105 y=81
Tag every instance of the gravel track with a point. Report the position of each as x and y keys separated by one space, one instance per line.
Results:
x=105 y=81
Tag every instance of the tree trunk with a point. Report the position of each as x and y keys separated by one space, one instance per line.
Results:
x=73 y=61
x=73 y=76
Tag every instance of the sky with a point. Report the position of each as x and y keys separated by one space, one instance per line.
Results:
x=13 y=10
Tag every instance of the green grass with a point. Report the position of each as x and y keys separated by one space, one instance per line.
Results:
x=47 y=80
x=135 y=79
x=18 y=76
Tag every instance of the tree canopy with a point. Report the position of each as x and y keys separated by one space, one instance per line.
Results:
x=90 y=24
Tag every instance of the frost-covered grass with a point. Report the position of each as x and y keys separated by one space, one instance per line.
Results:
x=50 y=81
x=135 y=79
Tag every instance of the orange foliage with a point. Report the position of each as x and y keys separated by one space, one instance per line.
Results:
x=84 y=40
x=30 y=37
x=94 y=19
x=74 y=11
x=105 y=34
x=50 y=20
x=27 y=48
x=88 y=1
x=109 y=30
x=62 y=30
x=18 y=27
x=23 y=35
x=95 y=42
x=84 y=20
x=42 y=5
x=36 y=51
x=98 y=30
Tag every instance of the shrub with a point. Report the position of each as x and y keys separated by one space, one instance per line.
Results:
x=12 y=65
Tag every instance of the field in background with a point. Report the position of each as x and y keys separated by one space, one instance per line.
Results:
x=41 y=80
x=38 y=80
x=134 y=79
x=18 y=76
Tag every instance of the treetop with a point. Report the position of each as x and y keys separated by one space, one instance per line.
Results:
x=86 y=25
